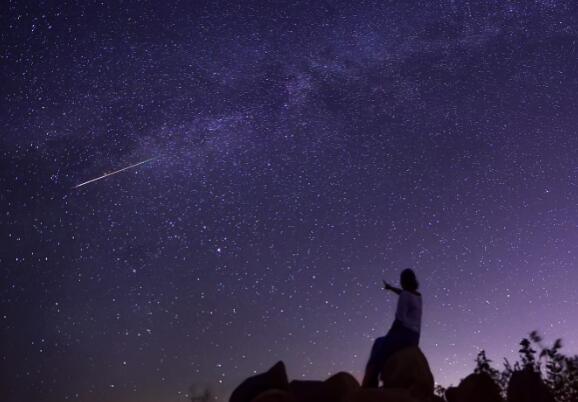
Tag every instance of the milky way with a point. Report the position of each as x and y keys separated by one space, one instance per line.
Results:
x=307 y=151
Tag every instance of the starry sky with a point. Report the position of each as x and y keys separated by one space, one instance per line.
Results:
x=304 y=151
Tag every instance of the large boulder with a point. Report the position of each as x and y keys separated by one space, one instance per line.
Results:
x=408 y=369
x=274 y=378
x=527 y=386
x=334 y=389
x=477 y=387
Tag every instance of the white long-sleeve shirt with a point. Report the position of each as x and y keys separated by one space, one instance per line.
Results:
x=409 y=306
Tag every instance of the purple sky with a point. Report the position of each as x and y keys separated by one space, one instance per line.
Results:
x=305 y=151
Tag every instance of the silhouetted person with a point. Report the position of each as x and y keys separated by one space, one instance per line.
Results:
x=405 y=329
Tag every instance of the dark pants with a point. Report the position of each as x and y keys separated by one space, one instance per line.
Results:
x=397 y=338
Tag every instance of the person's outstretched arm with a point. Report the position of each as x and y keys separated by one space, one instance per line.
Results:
x=387 y=286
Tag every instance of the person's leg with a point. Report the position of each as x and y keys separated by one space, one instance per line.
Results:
x=388 y=349
x=372 y=369
x=398 y=338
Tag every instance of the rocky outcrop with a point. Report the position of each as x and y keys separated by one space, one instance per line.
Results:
x=406 y=377
x=477 y=387
x=527 y=386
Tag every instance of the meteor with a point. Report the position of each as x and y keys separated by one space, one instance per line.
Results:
x=115 y=172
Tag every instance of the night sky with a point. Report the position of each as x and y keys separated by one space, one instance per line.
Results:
x=304 y=151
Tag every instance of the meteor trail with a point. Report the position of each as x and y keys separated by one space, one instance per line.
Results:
x=115 y=172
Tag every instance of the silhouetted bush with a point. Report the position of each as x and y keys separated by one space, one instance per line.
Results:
x=558 y=371
x=439 y=390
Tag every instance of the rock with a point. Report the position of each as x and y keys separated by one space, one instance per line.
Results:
x=334 y=389
x=527 y=386
x=408 y=369
x=477 y=387
x=341 y=385
x=308 y=391
x=248 y=390
x=275 y=395
x=380 y=395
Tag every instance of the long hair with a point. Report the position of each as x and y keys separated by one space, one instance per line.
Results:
x=408 y=280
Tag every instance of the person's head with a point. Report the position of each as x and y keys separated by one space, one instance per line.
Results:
x=408 y=280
